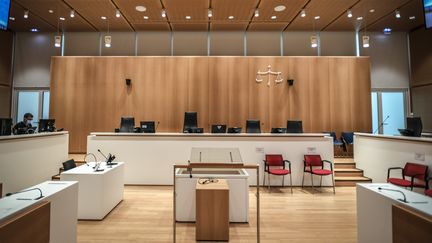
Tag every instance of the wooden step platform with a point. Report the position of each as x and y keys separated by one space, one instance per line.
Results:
x=345 y=172
x=351 y=180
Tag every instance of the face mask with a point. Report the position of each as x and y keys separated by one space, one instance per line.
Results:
x=29 y=122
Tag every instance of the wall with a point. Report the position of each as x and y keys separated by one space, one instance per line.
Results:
x=329 y=93
x=6 y=50
x=421 y=76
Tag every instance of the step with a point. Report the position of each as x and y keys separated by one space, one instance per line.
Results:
x=348 y=172
x=345 y=165
x=351 y=180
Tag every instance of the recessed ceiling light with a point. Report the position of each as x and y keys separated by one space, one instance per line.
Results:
x=397 y=14
x=163 y=13
x=256 y=14
x=50 y=11
x=34 y=30
x=140 y=8
x=231 y=17
x=72 y=13
x=349 y=13
x=103 y=17
x=371 y=10
x=188 y=17
x=360 y=18
x=146 y=17
x=273 y=17
x=317 y=17
x=117 y=13
x=12 y=18
x=412 y=17
x=303 y=13
x=26 y=14
x=210 y=13
x=279 y=8
x=62 y=18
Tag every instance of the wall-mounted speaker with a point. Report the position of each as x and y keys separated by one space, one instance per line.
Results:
x=290 y=82
x=128 y=81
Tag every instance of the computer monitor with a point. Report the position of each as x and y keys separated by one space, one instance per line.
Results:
x=253 y=126
x=147 y=126
x=46 y=125
x=5 y=126
x=414 y=127
x=278 y=130
x=218 y=128
x=294 y=126
x=190 y=121
x=127 y=124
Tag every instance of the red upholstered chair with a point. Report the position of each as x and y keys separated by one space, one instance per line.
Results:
x=274 y=164
x=428 y=192
x=417 y=172
x=314 y=165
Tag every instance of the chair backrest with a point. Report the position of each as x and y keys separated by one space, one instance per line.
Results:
x=348 y=137
x=332 y=134
x=253 y=126
x=294 y=126
x=419 y=171
x=313 y=159
x=274 y=159
x=218 y=128
x=70 y=164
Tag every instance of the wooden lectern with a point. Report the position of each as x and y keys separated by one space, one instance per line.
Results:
x=212 y=211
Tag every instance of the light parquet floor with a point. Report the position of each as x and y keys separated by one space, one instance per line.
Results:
x=145 y=215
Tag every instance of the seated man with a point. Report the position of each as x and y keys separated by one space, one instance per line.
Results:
x=23 y=126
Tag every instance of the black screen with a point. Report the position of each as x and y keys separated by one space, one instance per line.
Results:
x=147 y=126
x=414 y=125
x=218 y=128
x=294 y=127
x=190 y=121
x=46 y=125
x=5 y=126
x=253 y=126
x=127 y=124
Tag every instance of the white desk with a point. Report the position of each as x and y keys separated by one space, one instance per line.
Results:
x=99 y=192
x=374 y=210
x=374 y=154
x=26 y=160
x=237 y=180
x=150 y=157
x=64 y=208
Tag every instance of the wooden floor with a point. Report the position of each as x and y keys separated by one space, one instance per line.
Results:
x=145 y=215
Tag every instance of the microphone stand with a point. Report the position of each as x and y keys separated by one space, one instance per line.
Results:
x=33 y=189
x=393 y=190
x=381 y=125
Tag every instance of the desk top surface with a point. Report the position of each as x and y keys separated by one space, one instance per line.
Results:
x=167 y=134
x=216 y=184
x=415 y=200
x=88 y=169
x=395 y=137
x=34 y=135
x=14 y=203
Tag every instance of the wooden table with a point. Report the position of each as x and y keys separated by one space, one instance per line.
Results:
x=212 y=210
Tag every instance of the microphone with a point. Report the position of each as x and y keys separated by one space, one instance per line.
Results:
x=190 y=170
x=382 y=124
x=33 y=189
x=393 y=190
x=102 y=153
x=157 y=125
x=85 y=157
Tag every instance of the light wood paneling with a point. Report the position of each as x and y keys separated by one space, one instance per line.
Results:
x=89 y=94
x=409 y=225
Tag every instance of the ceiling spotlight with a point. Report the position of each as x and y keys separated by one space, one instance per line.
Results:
x=412 y=17
x=103 y=17
x=34 y=30
x=231 y=17
x=279 y=8
x=387 y=31
x=273 y=17
x=360 y=18
x=57 y=40
x=365 y=41
x=26 y=14
x=140 y=8
x=72 y=13
x=146 y=17
x=317 y=17
x=314 y=41
x=210 y=13
x=188 y=17
x=372 y=10
x=50 y=11
x=118 y=14
x=163 y=13
x=303 y=13
x=107 y=41
x=349 y=13
x=62 y=18
x=397 y=14
x=12 y=18
x=256 y=13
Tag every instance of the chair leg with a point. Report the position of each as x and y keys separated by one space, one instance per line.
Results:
x=312 y=182
x=303 y=180
x=268 y=180
x=321 y=182
x=334 y=191
x=264 y=179
x=291 y=183
x=283 y=181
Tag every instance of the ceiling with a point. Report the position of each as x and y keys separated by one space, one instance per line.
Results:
x=332 y=15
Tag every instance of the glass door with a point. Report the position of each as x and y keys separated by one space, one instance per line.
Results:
x=389 y=110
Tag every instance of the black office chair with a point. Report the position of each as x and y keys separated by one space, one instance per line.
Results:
x=127 y=124
x=69 y=164
x=147 y=127
x=294 y=126
x=190 y=122
x=234 y=130
x=278 y=130
x=218 y=128
x=253 y=126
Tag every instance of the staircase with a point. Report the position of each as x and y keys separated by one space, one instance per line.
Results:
x=346 y=173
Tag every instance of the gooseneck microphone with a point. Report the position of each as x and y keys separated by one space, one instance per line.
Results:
x=33 y=189
x=393 y=190
x=157 y=125
x=382 y=124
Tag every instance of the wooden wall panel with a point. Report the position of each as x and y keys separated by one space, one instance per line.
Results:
x=89 y=93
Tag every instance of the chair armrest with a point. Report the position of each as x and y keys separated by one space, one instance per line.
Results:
x=265 y=165
x=331 y=164
x=289 y=164
x=393 y=168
